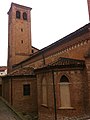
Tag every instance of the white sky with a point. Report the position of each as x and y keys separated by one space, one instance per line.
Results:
x=51 y=20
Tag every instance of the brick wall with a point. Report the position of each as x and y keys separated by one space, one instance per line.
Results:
x=88 y=80
x=77 y=94
x=6 y=85
x=24 y=104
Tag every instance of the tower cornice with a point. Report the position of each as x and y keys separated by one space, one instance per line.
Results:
x=18 y=5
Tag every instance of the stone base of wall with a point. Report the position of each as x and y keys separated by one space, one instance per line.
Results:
x=30 y=116
x=83 y=117
x=51 y=117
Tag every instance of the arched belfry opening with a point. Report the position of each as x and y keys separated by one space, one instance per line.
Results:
x=18 y=14
x=24 y=16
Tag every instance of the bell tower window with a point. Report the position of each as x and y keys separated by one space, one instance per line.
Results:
x=24 y=16
x=18 y=14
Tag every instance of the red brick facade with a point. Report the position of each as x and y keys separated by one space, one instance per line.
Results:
x=13 y=93
x=78 y=93
x=72 y=49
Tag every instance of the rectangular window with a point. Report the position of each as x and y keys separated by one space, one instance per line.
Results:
x=26 y=89
x=65 y=95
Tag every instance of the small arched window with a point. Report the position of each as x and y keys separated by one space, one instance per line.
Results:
x=64 y=92
x=24 y=16
x=18 y=14
x=64 y=79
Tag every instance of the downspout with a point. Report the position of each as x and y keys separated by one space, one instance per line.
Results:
x=54 y=94
x=11 y=93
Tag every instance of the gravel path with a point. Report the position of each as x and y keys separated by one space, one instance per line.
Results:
x=6 y=113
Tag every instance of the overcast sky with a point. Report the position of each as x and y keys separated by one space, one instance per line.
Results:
x=50 y=20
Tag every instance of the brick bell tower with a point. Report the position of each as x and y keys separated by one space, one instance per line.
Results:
x=19 y=34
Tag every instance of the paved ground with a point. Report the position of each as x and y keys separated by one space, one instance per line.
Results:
x=6 y=113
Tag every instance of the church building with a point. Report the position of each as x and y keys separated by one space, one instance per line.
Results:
x=52 y=82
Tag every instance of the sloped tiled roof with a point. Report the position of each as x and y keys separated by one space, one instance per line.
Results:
x=67 y=61
x=23 y=71
x=3 y=68
x=64 y=63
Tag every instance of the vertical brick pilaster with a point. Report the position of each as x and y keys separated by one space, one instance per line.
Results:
x=88 y=2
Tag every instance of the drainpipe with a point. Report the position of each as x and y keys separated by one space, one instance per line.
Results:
x=11 y=93
x=54 y=94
